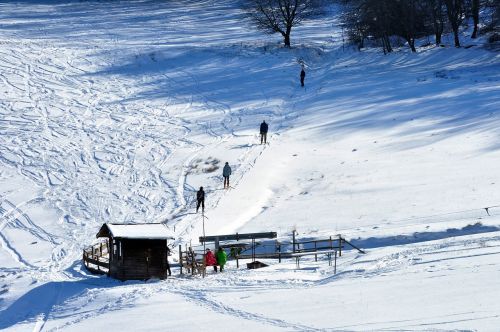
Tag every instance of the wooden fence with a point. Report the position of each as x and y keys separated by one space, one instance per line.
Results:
x=96 y=258
x=193 y=261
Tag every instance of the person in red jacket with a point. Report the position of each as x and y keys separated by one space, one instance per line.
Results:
x=210 y=259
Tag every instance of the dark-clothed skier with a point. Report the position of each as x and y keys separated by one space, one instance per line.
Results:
x=200 y=198
x=263 y=132
x=302 y=76
x=226 y=172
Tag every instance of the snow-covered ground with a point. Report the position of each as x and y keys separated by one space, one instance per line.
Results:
x=119 y=111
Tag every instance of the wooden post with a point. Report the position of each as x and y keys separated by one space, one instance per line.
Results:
x=193 y=260
x=293 y=241
x=97 y=258
x=335 y=262
x=315 y=249
x=110 y=252
x=279 y=253
x=180 y=256
x=340 y=245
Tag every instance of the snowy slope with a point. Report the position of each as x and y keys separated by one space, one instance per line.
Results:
x=119 y=111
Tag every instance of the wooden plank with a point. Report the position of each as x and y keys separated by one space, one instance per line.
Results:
x=352 y=245
x=237 y=237
x=96 y=262
x=300 y=254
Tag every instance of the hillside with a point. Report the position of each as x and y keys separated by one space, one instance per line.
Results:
x=119 y=111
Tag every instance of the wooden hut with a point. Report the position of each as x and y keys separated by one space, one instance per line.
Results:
x=136 y=251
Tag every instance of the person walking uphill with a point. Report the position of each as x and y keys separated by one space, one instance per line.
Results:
x=200 y=198
x=263 y=132
x=302 y=76
x=226 y=172
x=221 y=257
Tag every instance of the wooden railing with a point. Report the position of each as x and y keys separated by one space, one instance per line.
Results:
x=96 y=258
x=192 y=261
x=332 y=247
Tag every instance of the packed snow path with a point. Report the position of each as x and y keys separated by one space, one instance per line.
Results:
x=119 y=112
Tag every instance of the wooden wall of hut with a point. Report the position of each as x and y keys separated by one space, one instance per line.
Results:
x=138 y=259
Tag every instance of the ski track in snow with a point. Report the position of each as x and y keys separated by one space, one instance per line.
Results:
x=78 y=138
x=195 y=289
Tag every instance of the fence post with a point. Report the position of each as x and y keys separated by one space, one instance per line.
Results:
x=180 y=256
x=335 y=263
x=315 y=249
x=340 y=245
x=279 y=253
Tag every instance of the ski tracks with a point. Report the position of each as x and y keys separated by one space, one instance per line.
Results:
x=205 y=300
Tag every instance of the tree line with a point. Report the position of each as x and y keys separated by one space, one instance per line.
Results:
x=380 y=20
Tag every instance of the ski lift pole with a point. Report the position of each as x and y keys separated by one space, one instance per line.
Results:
x=253 y=249
x=203 y=223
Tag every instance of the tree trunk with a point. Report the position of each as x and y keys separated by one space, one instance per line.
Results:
x=454 y=10
x=287 y=40
x=438 y=38
x=437 y=20
x=361 y=43
x=287 y=36
x=475 y=16
x=455 y=33
x=388 y=44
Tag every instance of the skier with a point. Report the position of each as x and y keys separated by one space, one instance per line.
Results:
x=200 y=197
x=263 y=132
x=226 y=172
x=210 y=259
x=302 y=76
x=221 y=258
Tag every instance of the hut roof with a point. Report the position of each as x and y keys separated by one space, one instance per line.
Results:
x=136 y=231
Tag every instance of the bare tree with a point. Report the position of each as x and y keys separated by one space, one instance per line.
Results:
x=475 y=16
x=455 y=11
x=280 y=16
x=435 y=13
x=408 y=20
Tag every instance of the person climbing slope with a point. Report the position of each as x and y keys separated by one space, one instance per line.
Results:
x=263 y=132
x=302 y=76
x=200 y=198
x=226 y=172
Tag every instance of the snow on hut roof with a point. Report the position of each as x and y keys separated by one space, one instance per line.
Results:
x=136 y=231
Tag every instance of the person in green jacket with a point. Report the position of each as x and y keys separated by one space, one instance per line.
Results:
x=221 y=258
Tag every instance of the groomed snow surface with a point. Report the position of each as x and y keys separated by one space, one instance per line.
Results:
x=119 y=111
